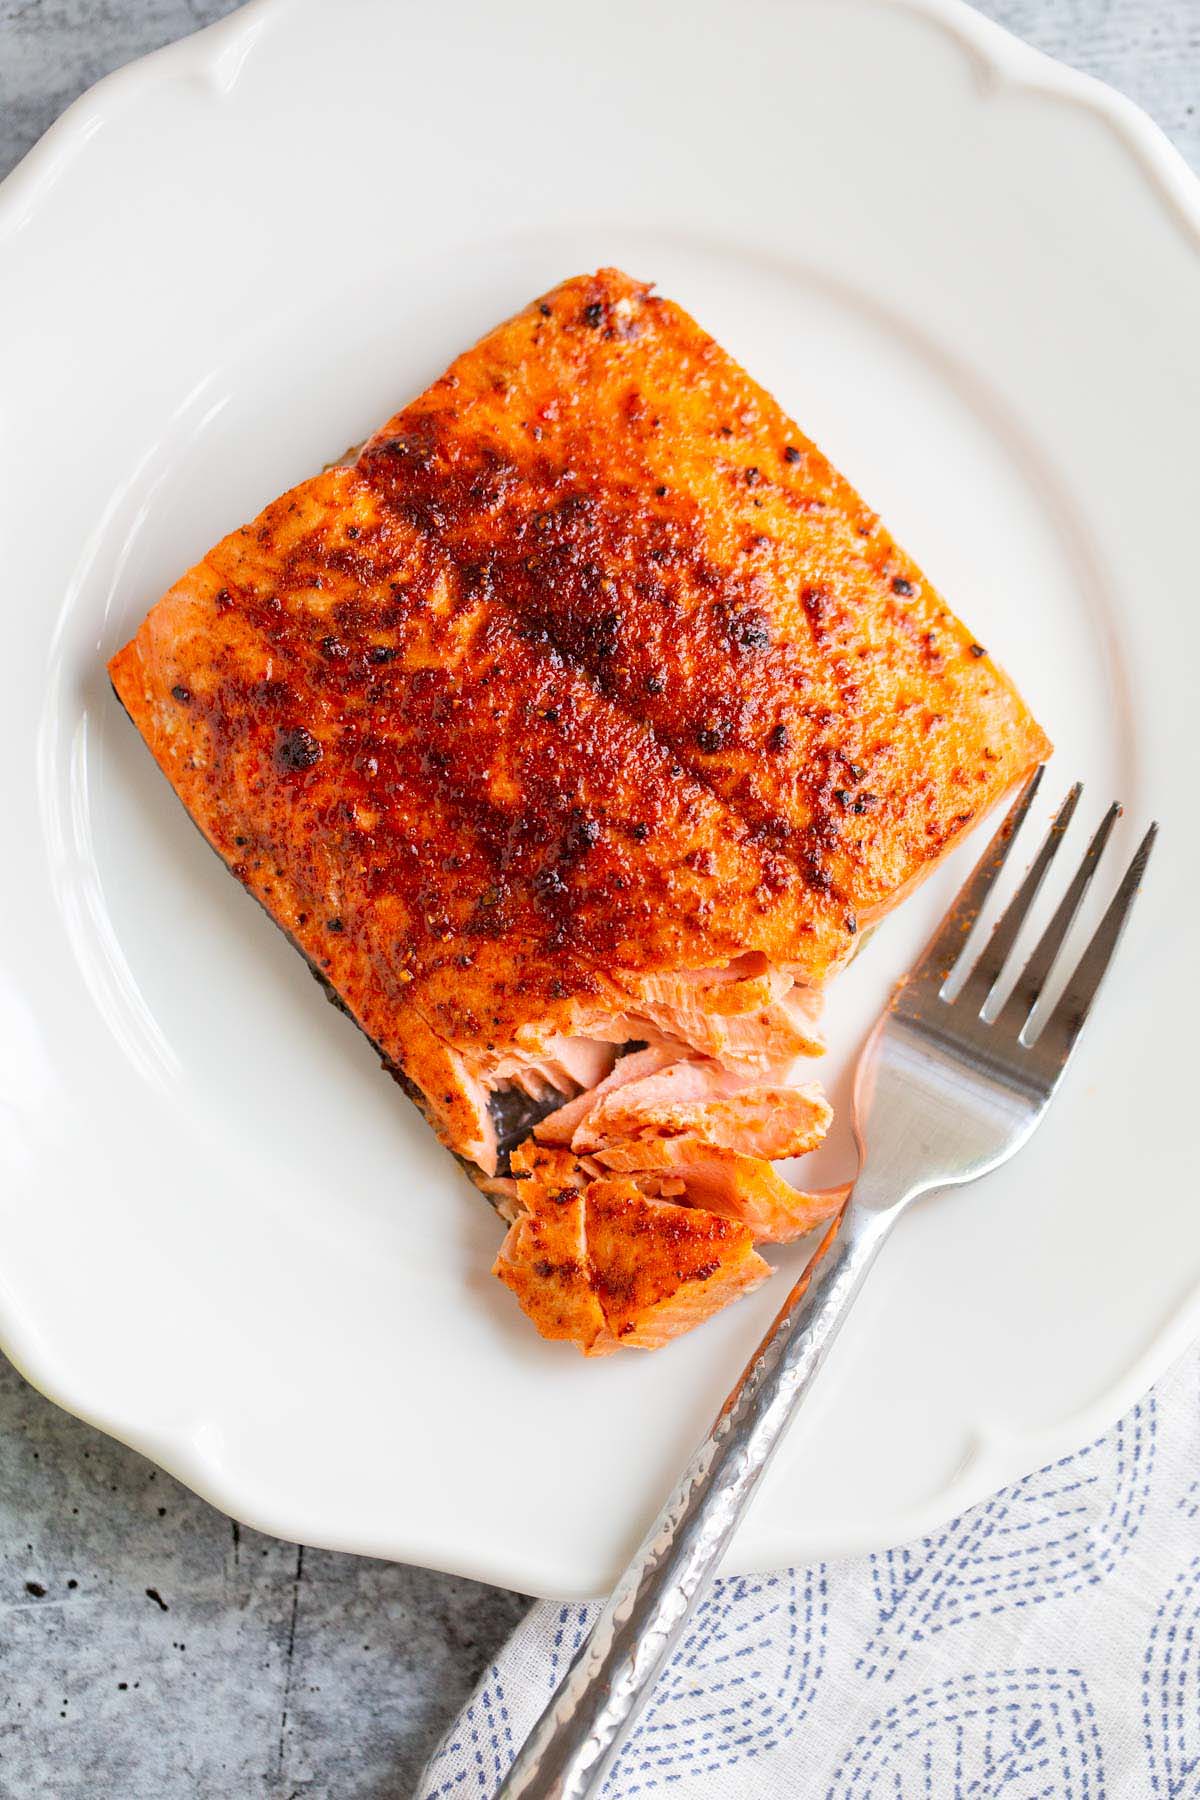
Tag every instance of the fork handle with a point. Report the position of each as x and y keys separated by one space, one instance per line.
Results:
x=574 y=1744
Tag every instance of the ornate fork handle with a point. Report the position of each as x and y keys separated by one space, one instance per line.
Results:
x=950 y=1092
x=576 y=1740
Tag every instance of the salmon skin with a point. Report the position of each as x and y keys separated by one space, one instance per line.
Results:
x=586 y=716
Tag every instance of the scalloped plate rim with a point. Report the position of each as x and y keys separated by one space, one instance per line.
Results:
x=218 y=52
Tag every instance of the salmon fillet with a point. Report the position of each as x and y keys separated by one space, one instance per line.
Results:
x=587 y=707
x=598 y=1261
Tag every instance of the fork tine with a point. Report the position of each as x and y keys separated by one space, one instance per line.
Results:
x=1065 y=1022
x=942 y=952
x=990 y=964
x=1014 y=1014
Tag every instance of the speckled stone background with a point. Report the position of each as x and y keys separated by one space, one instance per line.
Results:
x=149 y=1649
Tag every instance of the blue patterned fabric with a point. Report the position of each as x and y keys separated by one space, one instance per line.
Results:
x=1045 y=1646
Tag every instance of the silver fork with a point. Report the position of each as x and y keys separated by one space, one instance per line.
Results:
x=942 y=1095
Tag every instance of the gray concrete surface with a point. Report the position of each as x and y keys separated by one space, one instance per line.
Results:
x=149 y=1649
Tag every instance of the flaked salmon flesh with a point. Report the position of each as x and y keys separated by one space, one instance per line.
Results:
x=574 y=730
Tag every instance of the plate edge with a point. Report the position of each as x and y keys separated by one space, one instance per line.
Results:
x=217 y=53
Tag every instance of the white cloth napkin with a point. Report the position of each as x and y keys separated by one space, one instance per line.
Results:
x=1045 y=1646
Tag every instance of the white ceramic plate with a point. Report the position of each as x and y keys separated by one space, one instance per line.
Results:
x=973 y=276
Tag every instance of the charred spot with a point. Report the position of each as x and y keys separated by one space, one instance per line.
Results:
x=583 y=834
x=593 y=313
x=335 y=926
x=224 y=600
x=750 y=631
x=551 y=715
x=296 y=749
x=900 y=586
x=640 y=832
x=815 y=601
x=606 y=634
x=779 y=739
x=182 y=694
x=712 y=737
x=818 y=876
x=548 y=884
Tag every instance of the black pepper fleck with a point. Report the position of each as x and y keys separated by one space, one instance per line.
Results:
x=752 y=477
x=900 y=586
x=641 y=833
x=334 y=925
x=382 y=653
x=791 y=454
x=779 y=738
x=334 y=649
x=182 y=694
x=977 y=650
x=296 y=749
x=749 y=631
x=655 y=684
x=593 y=314
x=544 y=310
x=711 y=738
x=36 y=1589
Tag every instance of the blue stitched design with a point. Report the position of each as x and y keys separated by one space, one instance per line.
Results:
x=1171 y=1691
x=741 y=1682
x=1007 y=1734
x=1055 y=1532
x=483 y=1740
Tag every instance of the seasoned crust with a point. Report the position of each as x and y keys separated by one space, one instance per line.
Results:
x=590 y=663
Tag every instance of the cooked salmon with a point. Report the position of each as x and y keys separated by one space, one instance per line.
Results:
x=587 y=714
x=603 y=1264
